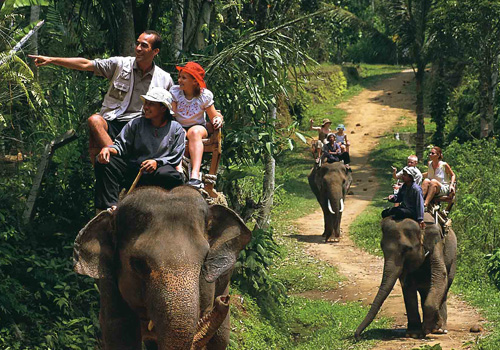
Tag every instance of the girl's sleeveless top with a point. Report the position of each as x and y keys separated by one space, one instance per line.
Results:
x=439 y=173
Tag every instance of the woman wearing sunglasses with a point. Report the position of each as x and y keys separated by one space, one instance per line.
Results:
x=439 y=180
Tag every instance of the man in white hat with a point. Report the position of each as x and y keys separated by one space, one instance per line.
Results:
x=130 y=77
x=410 y=197
x=153 y=144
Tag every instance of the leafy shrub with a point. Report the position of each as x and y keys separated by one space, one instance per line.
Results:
x=476 y=216
x=252 y=268
x=493 y=266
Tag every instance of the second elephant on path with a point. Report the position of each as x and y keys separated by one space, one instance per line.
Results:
x=330 y=184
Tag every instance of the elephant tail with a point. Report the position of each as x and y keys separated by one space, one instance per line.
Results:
x=341 y=206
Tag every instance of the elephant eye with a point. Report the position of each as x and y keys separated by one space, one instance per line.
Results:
x=140 y=266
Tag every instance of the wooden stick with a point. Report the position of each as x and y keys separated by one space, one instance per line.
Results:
x=137 y=178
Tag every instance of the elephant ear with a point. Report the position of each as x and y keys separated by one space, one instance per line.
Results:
x=94 y=248
x=228 y=235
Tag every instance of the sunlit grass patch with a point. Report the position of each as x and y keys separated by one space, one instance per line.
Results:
x=318 y=324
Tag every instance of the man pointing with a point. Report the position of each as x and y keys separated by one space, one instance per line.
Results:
x=130 y=77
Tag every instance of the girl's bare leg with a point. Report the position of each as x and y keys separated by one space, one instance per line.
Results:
x=195 y=135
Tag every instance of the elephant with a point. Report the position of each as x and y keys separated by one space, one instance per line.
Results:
x=330 y=183
x=426 y=265
x=163 y=261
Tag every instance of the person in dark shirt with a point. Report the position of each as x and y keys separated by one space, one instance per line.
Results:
x=153 y=144
x=410 y=198
x=332 y=151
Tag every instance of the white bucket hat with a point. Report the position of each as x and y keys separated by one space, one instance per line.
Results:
x=410 y=171
x=158 y=94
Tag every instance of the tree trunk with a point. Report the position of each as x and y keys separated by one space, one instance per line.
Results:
x=178 y=28
x=438 y=101
x=203 y=31
x=191 y=24
x=33 y=41
x=268 y=186
x=126 y=34
x=488 y=80
x=419 y=77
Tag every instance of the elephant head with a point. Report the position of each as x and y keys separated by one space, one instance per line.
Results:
x=423 y=263
x=330 y=183
x=162 y=258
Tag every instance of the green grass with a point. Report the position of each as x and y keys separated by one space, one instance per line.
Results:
x=310 y=324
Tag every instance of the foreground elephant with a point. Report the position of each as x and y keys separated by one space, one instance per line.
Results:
x=164 y=261
x=330 y=184
x=427 y=268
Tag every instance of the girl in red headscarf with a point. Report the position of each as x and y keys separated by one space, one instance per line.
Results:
x=191 y=100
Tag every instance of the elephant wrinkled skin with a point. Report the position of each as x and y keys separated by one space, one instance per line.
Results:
x=330 y=183
x=164 y=261
x=426 y=266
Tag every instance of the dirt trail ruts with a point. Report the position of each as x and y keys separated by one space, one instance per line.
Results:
x=371 y=114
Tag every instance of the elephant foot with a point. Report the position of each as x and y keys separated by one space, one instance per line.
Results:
x=439 y=331
x=415 y=334
x=331 y=239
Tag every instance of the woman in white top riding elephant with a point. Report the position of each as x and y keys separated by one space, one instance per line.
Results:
x=439 y=180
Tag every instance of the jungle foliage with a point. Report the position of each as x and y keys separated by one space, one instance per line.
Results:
x=258 y=55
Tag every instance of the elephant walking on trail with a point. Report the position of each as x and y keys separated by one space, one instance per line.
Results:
x=164 y=262
x=425 y=265
x=330 y=183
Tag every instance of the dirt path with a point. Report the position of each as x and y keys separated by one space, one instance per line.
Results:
x=377 y=110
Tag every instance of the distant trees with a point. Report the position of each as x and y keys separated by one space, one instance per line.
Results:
x=409 y=20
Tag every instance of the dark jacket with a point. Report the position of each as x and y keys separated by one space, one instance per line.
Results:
x=411 y=198
x=140 y=140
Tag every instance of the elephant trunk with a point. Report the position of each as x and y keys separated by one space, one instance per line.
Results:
x=211 y=322
x=389 y=277
x=174 y=308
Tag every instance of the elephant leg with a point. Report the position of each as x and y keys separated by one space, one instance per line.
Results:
x=120 y=326
x=336 y=232
x=441 y=325
x=328 y=220
x=414 y=329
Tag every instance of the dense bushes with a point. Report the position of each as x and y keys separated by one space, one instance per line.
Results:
x=38 y=281
x=476 y=216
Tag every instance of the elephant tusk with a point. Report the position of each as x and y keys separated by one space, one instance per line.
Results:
x=330 y=207
x=151 y=325
x=341 y=205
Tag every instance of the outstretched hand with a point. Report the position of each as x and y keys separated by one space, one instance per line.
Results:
x=40 y=60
